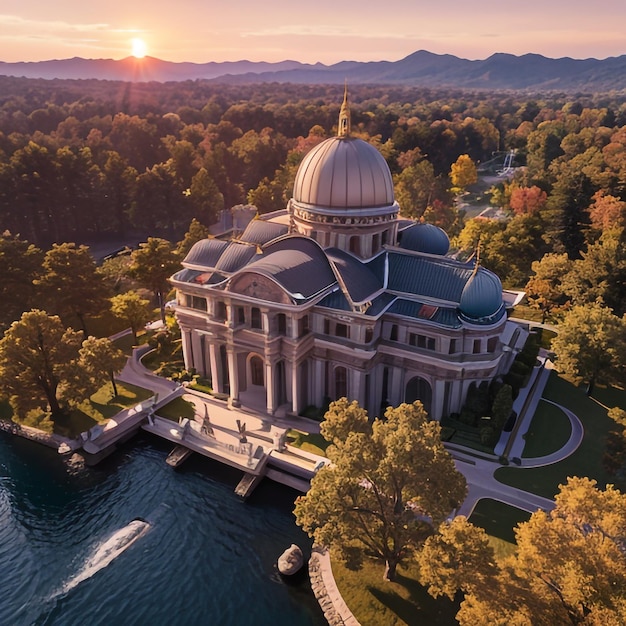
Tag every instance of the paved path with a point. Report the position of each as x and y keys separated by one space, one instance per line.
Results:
x=479 y=470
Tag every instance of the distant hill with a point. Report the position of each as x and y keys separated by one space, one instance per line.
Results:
x=422 y=68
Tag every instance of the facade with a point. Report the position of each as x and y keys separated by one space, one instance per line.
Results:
x=338 y=296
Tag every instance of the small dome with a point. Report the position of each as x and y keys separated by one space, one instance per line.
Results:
x=425 y=238
x=482 y=295
x=344 y=173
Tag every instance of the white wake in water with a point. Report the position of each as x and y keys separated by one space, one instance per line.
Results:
x=109 y=550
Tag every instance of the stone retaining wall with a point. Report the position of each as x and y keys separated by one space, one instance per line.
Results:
x=325 y=589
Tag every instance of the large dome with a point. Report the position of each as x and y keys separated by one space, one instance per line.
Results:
x=344 y=173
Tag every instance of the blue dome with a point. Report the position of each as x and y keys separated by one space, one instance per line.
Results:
x=482 y=295
x=425 y=238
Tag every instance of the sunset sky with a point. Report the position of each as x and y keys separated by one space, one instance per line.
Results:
x=322 y=30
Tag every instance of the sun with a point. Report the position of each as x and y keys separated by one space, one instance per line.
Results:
x=139 y=48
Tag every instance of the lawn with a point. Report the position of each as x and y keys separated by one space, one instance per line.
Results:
x=375 y=602
x=549 y=431
x=498 y=519
x=309 y=442
x=100 y=407
x=587 y=460
x=177 y=408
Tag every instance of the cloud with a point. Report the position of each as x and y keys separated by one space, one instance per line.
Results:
x=50 y=26
x=333 y=31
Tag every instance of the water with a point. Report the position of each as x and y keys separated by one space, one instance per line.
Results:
x=70 y=553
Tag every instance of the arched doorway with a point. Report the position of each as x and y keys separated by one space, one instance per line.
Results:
x=419 y=389
x=256 y=371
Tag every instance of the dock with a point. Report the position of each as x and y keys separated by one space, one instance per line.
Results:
x=178 y=456
x=247 y=485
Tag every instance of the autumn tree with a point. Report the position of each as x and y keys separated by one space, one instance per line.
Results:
x=133 y=309
x=390 y=484
x=527 y=200
x=70 y=285
x=152 y=264
x=45 y=366
x=591 y=345
x=544 y=290
x=463 y=172
x=569 y=566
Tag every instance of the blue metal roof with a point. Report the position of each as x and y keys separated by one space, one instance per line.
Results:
x=235 y=257
x=359 y=280
x=206 y=252
x=261 y=231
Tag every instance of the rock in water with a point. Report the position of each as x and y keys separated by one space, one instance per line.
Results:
x=291 y=560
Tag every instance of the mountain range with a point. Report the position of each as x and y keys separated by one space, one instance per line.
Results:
x=499 y=71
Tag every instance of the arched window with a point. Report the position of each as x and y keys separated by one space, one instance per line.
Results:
x=419 y=389
x=256 y=370
x=341 y=382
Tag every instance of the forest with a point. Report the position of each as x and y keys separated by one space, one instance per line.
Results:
x=83 y=160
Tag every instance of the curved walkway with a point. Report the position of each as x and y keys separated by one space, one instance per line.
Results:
x=479 y=472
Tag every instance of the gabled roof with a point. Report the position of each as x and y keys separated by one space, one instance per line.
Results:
x=362 y=284
x=303 y=273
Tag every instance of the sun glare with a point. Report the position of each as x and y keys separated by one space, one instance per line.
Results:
x=139 y=48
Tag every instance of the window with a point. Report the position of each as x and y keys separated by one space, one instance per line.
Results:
x=220 y=312
x=453 y=348
x=327 y=327
x=355 y=245
x=492 y=344
x=255 y=318
x=341 y=382
x=198 y=303
x=341 y=330
x=303 y=325
x=476 y=349
x=369 y=334
x=393 y=335
x=282 y=323
x=426 y=343
x=241 y=315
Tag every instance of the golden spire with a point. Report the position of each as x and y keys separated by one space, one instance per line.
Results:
x=344 y=115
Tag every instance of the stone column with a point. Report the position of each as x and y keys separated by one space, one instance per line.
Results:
x=270 y=392
x=187 y=352
x=318 y=382
x=196 y=353
x=217 y=377
x=356 y=390
x=233 y=377
x=295 y=391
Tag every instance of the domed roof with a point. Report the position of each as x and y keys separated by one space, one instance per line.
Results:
x=482 y=295
x=344 y=173
x=425 y=238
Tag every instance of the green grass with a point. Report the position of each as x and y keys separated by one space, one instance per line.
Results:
x=375 y=602
x=100 y=407
x=587 y=460
x=176 y=409
x=549 y=431
x=498 y=519
x=309 y=442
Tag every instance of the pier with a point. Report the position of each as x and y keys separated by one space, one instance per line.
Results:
x=241 y=438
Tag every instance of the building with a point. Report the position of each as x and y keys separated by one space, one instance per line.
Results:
x=338 y=296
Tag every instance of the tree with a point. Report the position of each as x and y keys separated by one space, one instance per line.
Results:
x=390 y=484
x=97 y=359
x=44 y=365
x=463 y=172
x=152 y=264
x=544 y=290
x=591 y=343
x=21 y=263
x=196 y=232
x=569 y=567
x=132 y=308
x=70 y=285
x=527 y=200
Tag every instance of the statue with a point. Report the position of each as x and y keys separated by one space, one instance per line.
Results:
x=242 y=432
